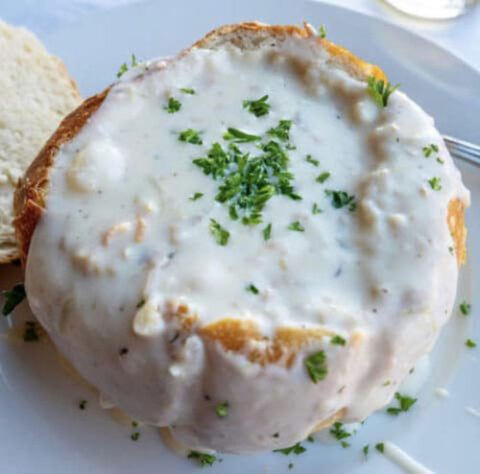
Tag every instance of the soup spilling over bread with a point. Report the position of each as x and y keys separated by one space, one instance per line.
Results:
x=247 y=242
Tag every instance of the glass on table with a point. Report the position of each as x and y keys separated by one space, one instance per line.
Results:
x=432 y=9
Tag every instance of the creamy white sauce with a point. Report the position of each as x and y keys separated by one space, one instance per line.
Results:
x=442 y=392
x=403 y=460
x=473 y=411
x=121 y=230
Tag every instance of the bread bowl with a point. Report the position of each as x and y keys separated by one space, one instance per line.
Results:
x=243 y=326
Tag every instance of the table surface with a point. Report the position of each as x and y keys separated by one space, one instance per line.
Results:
x=460 y=36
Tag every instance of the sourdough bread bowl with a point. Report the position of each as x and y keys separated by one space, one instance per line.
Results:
x=246 y=242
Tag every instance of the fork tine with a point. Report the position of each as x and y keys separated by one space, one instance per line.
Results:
x=463 y=150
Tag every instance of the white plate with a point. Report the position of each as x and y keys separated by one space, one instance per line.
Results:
x=44 y=431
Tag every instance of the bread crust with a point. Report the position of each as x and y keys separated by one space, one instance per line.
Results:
x=29 y=200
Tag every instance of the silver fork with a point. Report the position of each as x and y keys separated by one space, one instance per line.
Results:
x=463 y=150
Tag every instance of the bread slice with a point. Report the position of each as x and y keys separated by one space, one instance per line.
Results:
x=36 y=92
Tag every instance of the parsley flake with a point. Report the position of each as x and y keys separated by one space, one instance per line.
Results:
x=203 y=459
x=465 y=308
x=295 y=449
x=257 y=107
x=380 y=447
x=341 y=199
x=311 y=160
x=428 y=150
x=380 y=91
x=267 y=232
x=404 y=404
x=187 y=90
x=222 y=409
x=281 y=131
x=365 y=450
x=435 y=183
x=322 y=31
x=30 y=332
x=124 y=67
x=135 y=436
x=190 y=136
x=221 y=235
x=195 y=196
x=296 y=226
x=470 y=343
x=321 y=178
x=316 y=365
x=13 y=298
x=340 y=434
x=338 y=340
x=173 y=105
x=439 y=160
x=316 y=209
x=82 y=404
x=252 y=289
x=237 y=136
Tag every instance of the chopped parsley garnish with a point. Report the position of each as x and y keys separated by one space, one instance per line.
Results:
x=341 y=199
x=124 y=67
x=380 y=91
x=237 y=136
x=195 y=196
x=222 y=410
x=311 y=160
x=248 y=181
x=316 y=209
x=82 y=404
x=296 y=226
x=135 y=436
x=380 y=447
x=295 y=449
x=140 y=303
x=187 y=90
x=435 y=183
x=281 y=131
x=340 y=434
x=439 y=160
x=216 y=162
x=290 y=465
x=404 y=404
x=30 y=332
x=322 y=31
x=470 y=343
x=321 y=178
x=267 y=232
x=13 y=298
x=134 y=424
x=338 y=340
x=252 y=289
x=257 y=107
x=465 y=308
x=316 y=366
x=221 y=235
x=204 y=459
x=365 y=450
x=451 y=250
x=190 y=136
x=173 y=105
x=310 y=439
x=428 y=150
